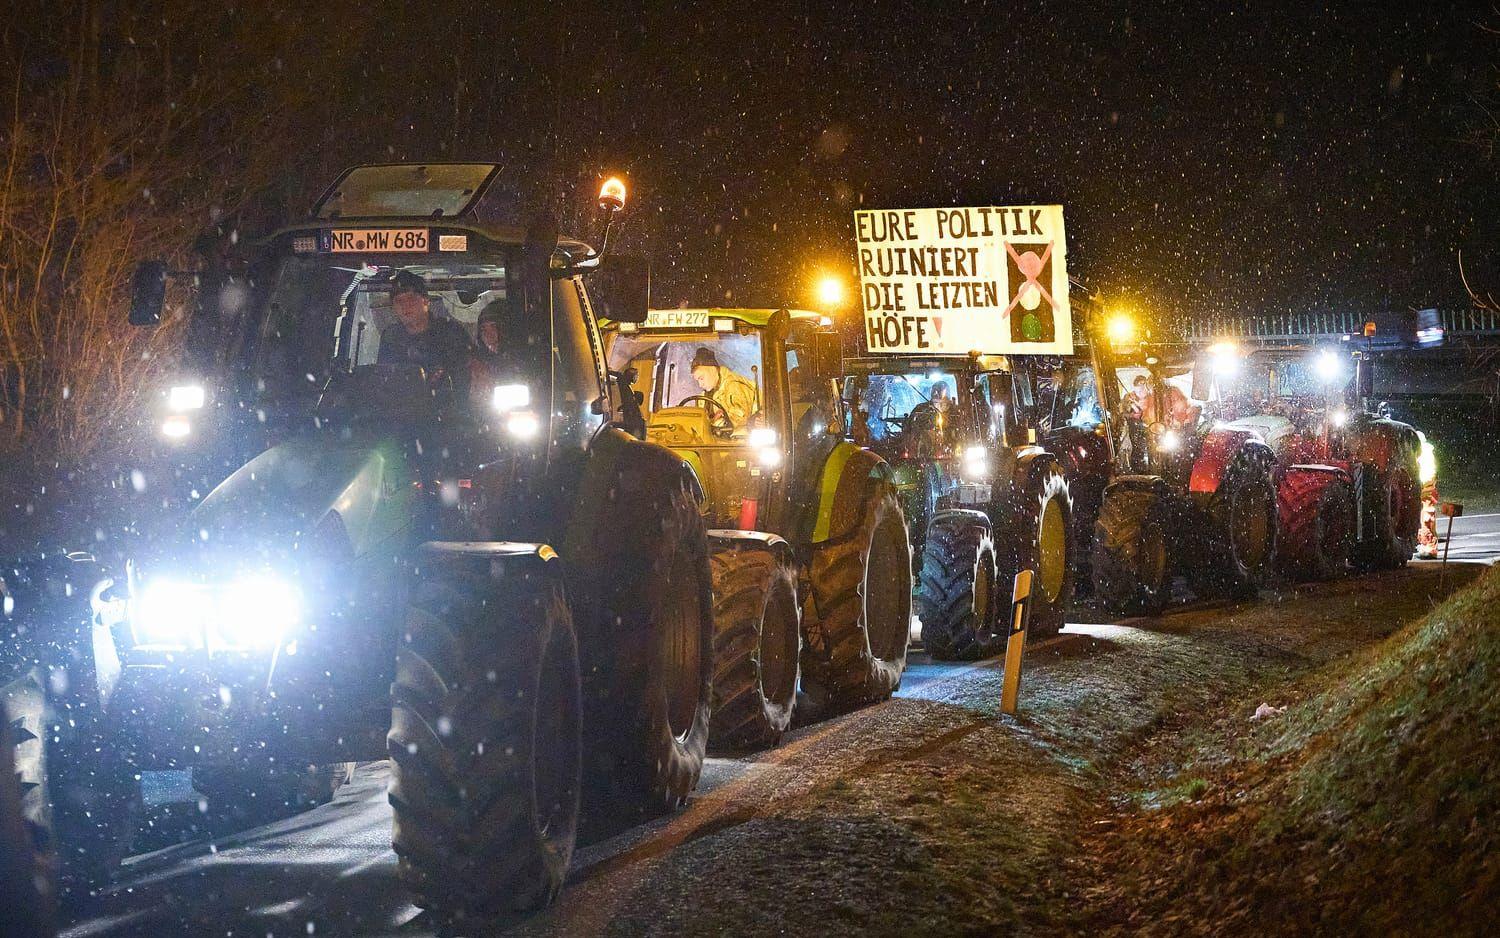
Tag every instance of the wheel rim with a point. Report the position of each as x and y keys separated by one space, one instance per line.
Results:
x=556 y=748
x=778 y=645
x=887 y=583
x=1052 y=551
x=1251 y=527
x=682 y=625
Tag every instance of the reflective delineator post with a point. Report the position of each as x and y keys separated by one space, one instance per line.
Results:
x=1452 y=510
x=1020 y=614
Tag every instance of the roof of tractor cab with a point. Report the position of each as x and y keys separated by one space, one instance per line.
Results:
x=752 y=317
x=905 y=364
x=701 y=319
x=453 y=196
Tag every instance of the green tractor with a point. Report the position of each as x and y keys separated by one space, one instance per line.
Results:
x=803 y=523
x=982 y=499
x=437 y=545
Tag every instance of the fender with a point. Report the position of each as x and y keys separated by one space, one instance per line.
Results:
x=618 y=458
x=1218 y=450
x=1031 y=460
x=510 y=554
x=845 y=473
x=967 y=514
x=722 y=538
x=1139 y=483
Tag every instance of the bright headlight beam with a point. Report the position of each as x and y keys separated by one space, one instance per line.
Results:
x=1328 y=367
x=186 y=397
x=509 y=397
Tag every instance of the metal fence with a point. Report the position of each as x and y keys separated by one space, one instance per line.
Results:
x=1288 y=328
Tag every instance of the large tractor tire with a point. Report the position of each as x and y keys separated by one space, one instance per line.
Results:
x=1388 y=538
x=249 y=795
x=25 y=898
x=80 y=798
x=1129 y=564
x=648 y=668
x=1238 y=546
x=1316 y=514
x=956 y=598
x=485 y=741
x=757 y=638
x=1037 y=539
x=858 y=617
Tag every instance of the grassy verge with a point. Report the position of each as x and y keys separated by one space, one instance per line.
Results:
x=1370 y=806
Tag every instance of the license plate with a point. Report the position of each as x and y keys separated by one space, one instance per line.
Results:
x=375 y=240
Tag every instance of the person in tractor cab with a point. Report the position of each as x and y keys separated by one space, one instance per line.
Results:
x=724 y=387
x=485 y=364
x=1182 y=413
x=439 y=345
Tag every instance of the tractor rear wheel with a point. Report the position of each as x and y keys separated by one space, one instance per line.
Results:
x=758 y=631
x=1239 y=547
x=1316 y=511
x=1129 y=564
x=956 y=598
x=648 y=668
x=858 y=617
x=1038 y=540
x=485 y=742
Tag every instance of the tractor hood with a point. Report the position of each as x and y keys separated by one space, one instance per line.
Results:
x=307 y=490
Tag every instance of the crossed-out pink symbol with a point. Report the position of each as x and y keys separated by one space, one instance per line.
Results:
x=1031 y=265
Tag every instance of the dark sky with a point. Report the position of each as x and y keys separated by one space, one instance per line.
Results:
x=1239 y=158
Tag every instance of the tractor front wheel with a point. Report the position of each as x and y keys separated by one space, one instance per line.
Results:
x=757 y=627
x=485 y=742
x=858 y=618
x=1129 y=564
x=956 y=596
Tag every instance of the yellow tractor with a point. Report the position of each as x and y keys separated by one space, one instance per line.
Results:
x=811 y=568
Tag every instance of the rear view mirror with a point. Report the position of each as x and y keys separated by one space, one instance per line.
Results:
x=621 y=288
x=1203 y=381
x=148 y=293
x=1364 y=378
x=827 y=353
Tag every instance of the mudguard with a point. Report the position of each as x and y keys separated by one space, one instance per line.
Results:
x=841 y=489
x=1217 y=452
x=721 y=538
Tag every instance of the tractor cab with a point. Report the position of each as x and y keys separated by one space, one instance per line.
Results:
x=744 y=395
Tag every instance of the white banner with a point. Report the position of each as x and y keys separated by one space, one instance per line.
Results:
x=949 y=281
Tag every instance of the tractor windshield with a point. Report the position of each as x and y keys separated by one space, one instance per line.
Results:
x=719 y=373
x=889 y=400
x=323 y=316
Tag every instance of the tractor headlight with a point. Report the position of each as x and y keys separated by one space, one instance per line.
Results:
x=508 y=397
x=251 y=613
x=763 y=440
x=1426 y=462
x=1170 y=441
x=1328 y=367
x=976 y=463
x=184 y=397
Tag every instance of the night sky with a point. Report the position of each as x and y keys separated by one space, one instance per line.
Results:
x=1238 y=158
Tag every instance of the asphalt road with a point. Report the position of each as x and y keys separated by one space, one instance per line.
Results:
x=330 y=870
x=1475 y=537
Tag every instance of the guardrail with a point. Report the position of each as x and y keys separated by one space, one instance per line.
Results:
x=1292 y=328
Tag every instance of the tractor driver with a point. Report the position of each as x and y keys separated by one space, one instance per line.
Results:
x=723 y=386
x=439 y=345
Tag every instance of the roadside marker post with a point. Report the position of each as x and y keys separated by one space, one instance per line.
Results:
x=1452 y=510
x=1015 y=646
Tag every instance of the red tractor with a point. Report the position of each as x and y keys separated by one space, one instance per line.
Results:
x=1177 y=493
x=1348 y=481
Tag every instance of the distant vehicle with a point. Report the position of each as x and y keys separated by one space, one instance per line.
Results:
x=983 y=499
x=800 y=518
